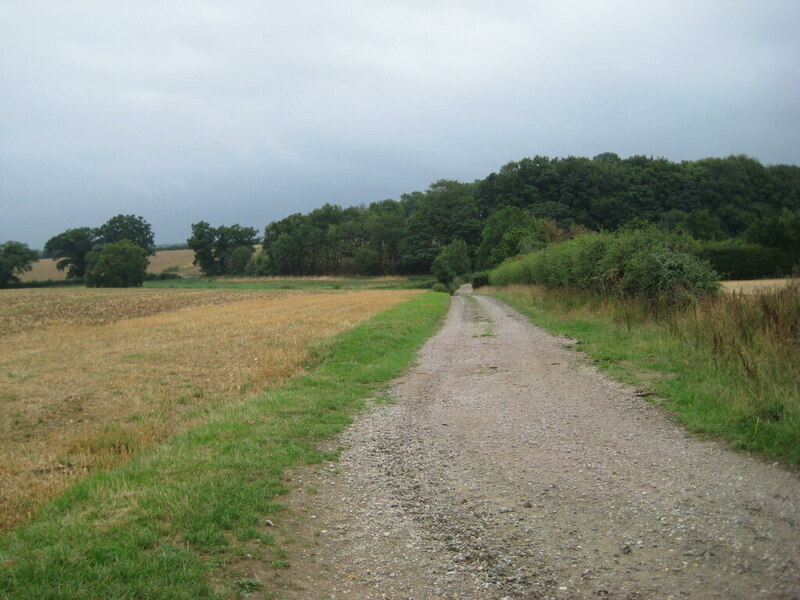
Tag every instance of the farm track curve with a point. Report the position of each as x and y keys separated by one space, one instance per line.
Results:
x=509 y=467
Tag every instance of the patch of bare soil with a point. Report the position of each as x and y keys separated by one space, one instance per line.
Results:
x=507 y=467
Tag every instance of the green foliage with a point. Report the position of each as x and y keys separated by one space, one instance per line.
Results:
x=224 y=250
x=480 y=279
x=726 y=365
x=165 y=275
x=368 y=261
x=702 y=225
x=15 y=258
x=451 y=262
x=508 y=232
x=238 y=259
x=118 y=264
x=70 y=248
x=779 y=231
x=736 y=259
x=643 y=262
x=127 y=227
x=446 y=212
x=258 y=264
x=158 y=527
x=710 y=199
x=530 y=202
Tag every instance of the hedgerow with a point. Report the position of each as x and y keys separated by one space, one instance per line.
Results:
x=645 y=262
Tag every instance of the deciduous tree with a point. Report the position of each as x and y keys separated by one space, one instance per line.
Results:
x=128 y=227
x=118 y=264
x=70 y=248
x=15 y=258
x=224 y=250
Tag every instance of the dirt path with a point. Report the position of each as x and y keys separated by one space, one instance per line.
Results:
x=509 y=468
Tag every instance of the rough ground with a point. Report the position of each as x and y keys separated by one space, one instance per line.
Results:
x=507 y=467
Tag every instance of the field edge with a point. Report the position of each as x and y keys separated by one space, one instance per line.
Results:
x=163 y=524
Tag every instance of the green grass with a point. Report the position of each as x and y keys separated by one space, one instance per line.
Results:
x=167 y=524
x=297 y=283
x=728 y=366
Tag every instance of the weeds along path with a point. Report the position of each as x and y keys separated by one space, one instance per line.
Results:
x=507 y=467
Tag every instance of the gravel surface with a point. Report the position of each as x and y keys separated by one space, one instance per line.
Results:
x=508 y=467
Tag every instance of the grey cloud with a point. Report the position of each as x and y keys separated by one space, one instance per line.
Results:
x=248 y=111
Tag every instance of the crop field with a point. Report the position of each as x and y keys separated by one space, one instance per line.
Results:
x=89 y=377
x=177 y=261
x=753 y=286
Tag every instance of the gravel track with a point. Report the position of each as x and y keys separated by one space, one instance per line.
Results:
x=508 y=467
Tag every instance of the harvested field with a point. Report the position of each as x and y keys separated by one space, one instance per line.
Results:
x=178 y=261
x=90 y=377
x=43 y=269
x=753 y=286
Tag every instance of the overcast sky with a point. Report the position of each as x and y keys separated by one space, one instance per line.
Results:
x=245 y=112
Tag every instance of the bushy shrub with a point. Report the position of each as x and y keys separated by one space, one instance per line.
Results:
x=440 y=287
x=119 y=264
x=163 y=276
x=643 y=262
x=258 y=264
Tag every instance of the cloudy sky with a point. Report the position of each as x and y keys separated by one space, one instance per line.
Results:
x=247 y=111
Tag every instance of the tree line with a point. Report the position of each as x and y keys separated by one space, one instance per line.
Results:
x=732 y=206
x=112 y=255
x=744 y=216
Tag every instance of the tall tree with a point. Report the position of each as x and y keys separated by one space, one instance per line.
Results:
x=70 y=248
x=118 y=264
x=445 y=212
x=451 y=262
x=128 y=227
x=15 y=258
x=508 y=232
x=781 y=231
x=223 y=250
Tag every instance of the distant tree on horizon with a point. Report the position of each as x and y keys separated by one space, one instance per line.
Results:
x=224 y=250
x=15 y=258
x=117 y=264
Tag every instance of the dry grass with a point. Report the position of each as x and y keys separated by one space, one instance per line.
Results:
x=323 y=278
x=179 y=261
x=43 y=270
x=88 y=377
x=757 y=334
x=754 y=286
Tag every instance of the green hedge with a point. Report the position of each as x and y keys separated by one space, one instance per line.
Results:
x=646 y=263
x=736 y=259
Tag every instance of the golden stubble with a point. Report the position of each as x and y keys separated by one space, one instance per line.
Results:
x=180 y=261
x=754 y=286
x=88 y=387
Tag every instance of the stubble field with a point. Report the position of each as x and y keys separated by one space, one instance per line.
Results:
x=177 y=261
x=90 y=377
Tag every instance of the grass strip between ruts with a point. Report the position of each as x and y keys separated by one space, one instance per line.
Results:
x=157 y=527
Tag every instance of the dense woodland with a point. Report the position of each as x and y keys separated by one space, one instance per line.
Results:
x=745 y=216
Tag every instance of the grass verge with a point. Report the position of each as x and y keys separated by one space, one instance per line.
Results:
x=163 y=524
x=725 y=366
